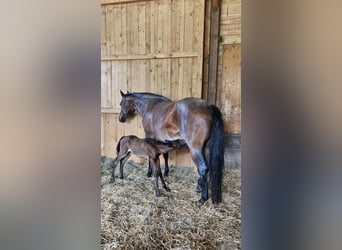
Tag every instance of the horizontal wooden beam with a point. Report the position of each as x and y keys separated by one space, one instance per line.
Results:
x=113 y=2
x=110 y=110
x=148 y=56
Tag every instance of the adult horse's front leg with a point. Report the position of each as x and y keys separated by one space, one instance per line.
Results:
x=202 y=169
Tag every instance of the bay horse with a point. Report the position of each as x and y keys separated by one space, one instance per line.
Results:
x=144 y=148
x=193 y=120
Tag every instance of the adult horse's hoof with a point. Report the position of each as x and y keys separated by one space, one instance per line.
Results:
x=149 y=174
x=198 y=189
x=111 y=179
x=201 y=201
x=167 y=189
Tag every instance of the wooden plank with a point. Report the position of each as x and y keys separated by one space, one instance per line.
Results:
x=124 y=29
x=213 y=49
x=148 y=56
x=181 y=26
x=196 y=89
x=141 y=29
x=230 y=98
x=117 y=2
x=103 y=31
x=206 y=43
x=189 y=25
x=152 y=28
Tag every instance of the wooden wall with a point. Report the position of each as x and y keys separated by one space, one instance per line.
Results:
x=228 y=85
x=162 y=46
x=153 y=46
x=229 y=66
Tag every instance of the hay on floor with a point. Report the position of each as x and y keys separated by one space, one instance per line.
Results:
x=133 y=218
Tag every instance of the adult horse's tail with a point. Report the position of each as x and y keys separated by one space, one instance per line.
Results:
x=215 y=149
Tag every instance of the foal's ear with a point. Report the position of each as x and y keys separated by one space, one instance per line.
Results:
x=122 y=94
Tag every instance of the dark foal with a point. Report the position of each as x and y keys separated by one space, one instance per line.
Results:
x=144 y=148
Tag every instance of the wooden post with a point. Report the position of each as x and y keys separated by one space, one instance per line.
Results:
x=213 y=49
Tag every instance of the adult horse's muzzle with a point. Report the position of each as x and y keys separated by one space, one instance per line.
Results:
x=122 y=118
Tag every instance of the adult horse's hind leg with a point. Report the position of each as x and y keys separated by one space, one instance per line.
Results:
x=202 y=169
x=166 y=169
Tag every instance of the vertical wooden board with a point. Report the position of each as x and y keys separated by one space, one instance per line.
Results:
x=141 y=28
x=103 y=31
x=174 y=27
x=231 y=88
x=158 y=27
x=109 y=28
x=117 y=31
x=112 y=31
x=166 y=26
x=187 y=78
x=109 y=84
x=189 y=25
x=152 y=27
x=159 y=86
x=205 y=60
x=102 y=136
x=174 y=78
x=103 y=85
x=128 y=28
x=181 y=25
x=134 y=42
x=147 y=27
x=109 y=134
x=122 y=81
x=166 y=78
x=115 y=82
x=198 y=47
x=124 y=30
x=153 y=76
x=180 y=79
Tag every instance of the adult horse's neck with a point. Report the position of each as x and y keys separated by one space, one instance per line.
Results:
x=142 y=99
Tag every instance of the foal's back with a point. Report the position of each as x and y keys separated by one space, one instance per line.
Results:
x=147 y=148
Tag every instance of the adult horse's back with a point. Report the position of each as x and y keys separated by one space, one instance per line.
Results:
x=193 y=120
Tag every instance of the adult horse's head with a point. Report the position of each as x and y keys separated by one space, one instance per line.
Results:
x=127 y=106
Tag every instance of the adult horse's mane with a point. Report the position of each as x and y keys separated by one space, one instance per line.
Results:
x=147 y=95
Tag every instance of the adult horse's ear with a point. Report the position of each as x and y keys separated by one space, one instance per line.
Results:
x=122 y=94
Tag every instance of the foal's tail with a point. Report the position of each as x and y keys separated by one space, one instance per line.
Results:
x=215 y=153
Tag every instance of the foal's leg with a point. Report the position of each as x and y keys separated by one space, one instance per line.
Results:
x=149 y=170
x=202 y=169
x=122 y=163
x=154 y=163
x=113 y=165
x=166 y=169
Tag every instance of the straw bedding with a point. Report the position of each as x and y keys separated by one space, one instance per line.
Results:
x=133 y=218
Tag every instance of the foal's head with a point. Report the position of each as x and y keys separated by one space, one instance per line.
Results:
x=127 y=106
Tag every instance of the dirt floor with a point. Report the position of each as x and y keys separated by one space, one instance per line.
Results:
x=133 y=218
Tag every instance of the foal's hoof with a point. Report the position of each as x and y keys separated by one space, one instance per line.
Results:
x=121 y=177
x=198 y=189
x=149 y=174
x=111 y=180
x=167 y=189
